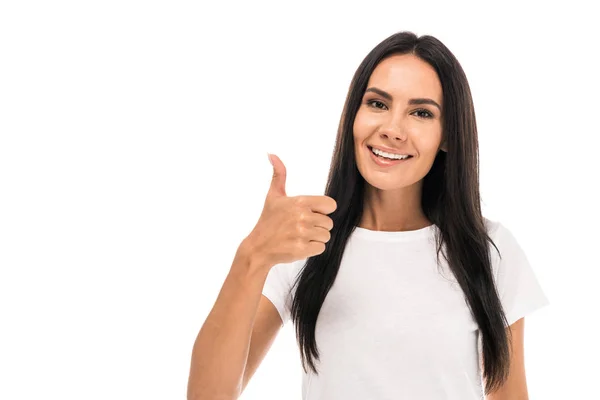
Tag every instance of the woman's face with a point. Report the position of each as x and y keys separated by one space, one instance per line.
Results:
x=392 y=116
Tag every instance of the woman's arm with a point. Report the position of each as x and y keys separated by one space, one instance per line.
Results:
x=515 y=387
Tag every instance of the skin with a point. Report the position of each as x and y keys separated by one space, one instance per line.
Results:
x=393 y=194
x=515 y=388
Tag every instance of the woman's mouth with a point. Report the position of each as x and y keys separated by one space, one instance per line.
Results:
x=384 y=161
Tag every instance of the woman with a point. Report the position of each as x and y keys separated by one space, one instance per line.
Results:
x=397 y=285
x=386 y=316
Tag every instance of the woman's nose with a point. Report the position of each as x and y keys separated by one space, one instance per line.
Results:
x=393 y=128
x=393 y=133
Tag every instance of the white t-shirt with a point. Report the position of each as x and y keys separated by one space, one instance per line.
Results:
x=394 y=327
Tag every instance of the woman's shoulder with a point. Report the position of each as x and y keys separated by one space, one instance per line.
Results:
x=493 y=227
x=288 y=272
x=503 y=238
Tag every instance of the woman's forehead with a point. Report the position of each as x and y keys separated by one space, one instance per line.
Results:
x=406 y=76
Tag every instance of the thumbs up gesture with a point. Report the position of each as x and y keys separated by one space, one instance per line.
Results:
x=290 y=228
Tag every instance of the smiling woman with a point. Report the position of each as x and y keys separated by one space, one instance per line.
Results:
x=405 y=178
x=408 y=291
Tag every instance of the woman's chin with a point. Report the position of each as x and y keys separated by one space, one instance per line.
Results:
x=387 y=183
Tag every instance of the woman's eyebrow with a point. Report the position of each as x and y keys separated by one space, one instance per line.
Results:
x=388 y=96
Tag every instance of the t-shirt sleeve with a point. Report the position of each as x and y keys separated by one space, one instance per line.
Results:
x=519 y=289
x=278 y=288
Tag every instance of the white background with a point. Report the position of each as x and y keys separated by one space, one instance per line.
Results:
x=133 y=162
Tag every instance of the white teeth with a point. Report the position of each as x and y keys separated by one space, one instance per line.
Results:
x=389 y=155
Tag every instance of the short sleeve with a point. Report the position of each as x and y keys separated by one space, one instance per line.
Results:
x=278 y=287
x=518 y=287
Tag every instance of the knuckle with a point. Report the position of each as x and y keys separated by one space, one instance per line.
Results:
x=302 y=216
x=300 y=228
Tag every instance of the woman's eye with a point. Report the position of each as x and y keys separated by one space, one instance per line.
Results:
x=427 y=113
x=373 y=103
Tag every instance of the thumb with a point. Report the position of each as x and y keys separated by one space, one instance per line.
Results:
x=279 y=173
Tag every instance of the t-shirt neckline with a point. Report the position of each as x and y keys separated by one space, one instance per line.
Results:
x=393 y=235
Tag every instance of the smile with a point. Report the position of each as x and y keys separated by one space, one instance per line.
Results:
x=383 y=161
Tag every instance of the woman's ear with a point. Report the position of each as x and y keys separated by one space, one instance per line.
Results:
x=443 y=147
